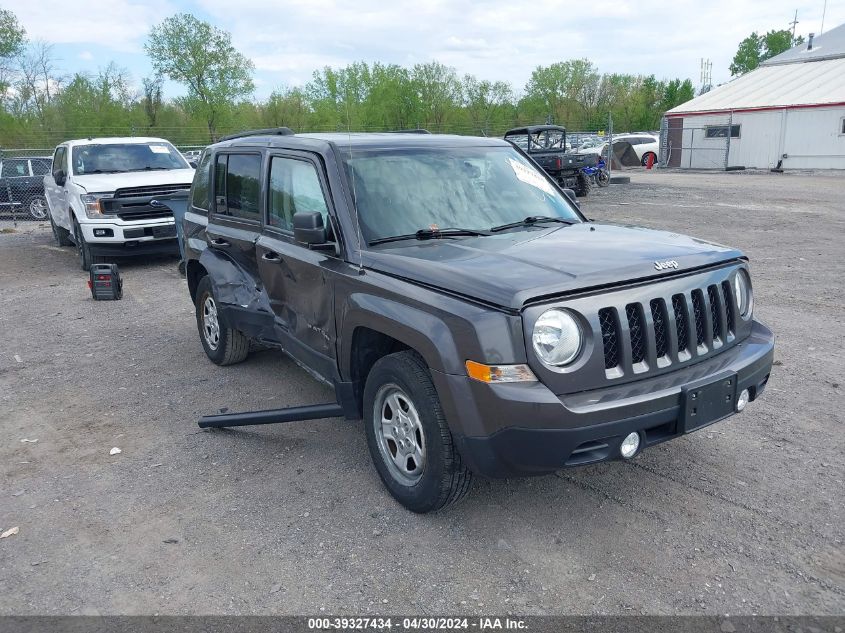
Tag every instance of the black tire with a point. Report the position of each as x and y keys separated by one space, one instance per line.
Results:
x=230 y=345
x=602 y=178
x=645 y=158
x=583 y=186
x=60 y=235
x=83 y=249
x=444 y=479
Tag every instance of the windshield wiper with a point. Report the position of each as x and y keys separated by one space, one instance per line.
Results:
x=103 y=171
x=148 y=168
x=428 y=234
x=530 y=221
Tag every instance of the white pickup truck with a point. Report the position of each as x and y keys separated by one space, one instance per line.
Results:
x=107 y=196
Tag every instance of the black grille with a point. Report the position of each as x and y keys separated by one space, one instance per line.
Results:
x=152 y=190
x=657 y=315
x=635 y=326
x=698 y=315
x=609 y=337
x=681 y=325
x=729 y=311
x=656 y=332
x=714 y=312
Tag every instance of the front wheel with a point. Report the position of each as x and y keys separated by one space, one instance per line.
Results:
x=648 y=155
x=223 y=345
x=408 y=437
x=86 y=258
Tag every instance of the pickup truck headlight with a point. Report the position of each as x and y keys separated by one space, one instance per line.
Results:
x=743 y=295
x=557 y=337
x=93 y=207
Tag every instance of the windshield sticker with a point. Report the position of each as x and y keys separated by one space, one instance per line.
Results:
x=530 y=177
x=159 y=149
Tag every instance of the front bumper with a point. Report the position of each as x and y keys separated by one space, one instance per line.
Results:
x=125 y=239
x=524 y=429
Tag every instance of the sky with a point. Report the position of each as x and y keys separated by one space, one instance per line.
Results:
x=492 y=39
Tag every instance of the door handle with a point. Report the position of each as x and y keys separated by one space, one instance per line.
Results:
x=220 y=243
x=270 y=256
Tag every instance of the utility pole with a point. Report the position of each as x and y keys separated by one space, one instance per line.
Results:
x=794 y=22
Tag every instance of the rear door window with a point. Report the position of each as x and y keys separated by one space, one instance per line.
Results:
x=237 y=186
x=40 y=167
x=242 y=186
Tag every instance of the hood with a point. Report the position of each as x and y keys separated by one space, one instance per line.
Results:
x=511 y=268
x=102 y=183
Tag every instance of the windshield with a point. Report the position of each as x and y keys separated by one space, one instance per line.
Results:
x=400 y=191
x=123 y=157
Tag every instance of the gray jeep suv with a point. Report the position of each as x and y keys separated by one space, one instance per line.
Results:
x=462 y=306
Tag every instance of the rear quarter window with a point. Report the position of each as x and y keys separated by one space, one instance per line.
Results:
x=200 y=187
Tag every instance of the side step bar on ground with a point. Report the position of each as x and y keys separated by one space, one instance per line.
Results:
x=273 y=416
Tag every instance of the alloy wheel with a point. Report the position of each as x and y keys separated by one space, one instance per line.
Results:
x=210 y=323
x=399 y=434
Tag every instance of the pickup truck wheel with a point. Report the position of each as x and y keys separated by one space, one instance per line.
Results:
x=60 y=234
x=37 y=207
x=408 y=437
x=223 y=345
x=82 y=247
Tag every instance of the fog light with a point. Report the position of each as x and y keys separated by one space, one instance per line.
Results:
x=742 y=401
x=630 y=445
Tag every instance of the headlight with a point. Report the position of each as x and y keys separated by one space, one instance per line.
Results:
x=557 y=337
x=93 y=208
x=743 y=295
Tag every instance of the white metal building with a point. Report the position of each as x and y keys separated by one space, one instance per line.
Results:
x=789 y=112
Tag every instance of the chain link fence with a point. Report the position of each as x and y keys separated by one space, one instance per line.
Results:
x=702 y=142
x=22 y=174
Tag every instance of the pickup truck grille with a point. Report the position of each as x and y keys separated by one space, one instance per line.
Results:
x=665 y=330
x=152 y=190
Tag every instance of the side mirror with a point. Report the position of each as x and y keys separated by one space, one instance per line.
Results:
x=59 y=177
x=572 y=197
x=193 y=164
x=308 y=228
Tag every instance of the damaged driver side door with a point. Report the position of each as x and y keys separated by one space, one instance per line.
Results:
x=298 y=280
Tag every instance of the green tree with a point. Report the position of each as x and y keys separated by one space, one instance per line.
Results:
x=439 y=92
x=12 y=40
x=201 y=56
x=755 y=49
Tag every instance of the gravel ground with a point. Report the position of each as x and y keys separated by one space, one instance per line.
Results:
x=744 y=517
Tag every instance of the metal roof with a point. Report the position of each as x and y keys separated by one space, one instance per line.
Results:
x=825 y=46
x=800 y=82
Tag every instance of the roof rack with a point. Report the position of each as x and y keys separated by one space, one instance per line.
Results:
x=271 y=131
x=418 y=130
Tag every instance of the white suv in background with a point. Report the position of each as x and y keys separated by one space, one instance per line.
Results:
x=642 y=144
x=105 y=195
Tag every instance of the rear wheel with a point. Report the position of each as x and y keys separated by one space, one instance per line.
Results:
x=223 y=345
x=60 y=234
x=37 y=207
x=602 y=178
x=408 y=437
x=582 y=187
